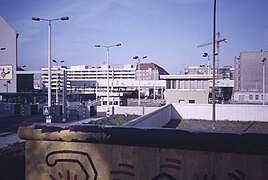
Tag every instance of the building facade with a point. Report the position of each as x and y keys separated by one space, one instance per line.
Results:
x=249 y=77
x=224 y=81
x=226 y=72
x=84 y=80
x=8 y=58
x=149 y=71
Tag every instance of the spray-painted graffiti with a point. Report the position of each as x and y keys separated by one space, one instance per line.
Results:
x=68 y=156
x=124 y=169
x=169 y=168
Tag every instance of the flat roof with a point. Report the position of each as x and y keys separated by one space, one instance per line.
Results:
x=186 y=77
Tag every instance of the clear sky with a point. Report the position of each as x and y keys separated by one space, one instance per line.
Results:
x=166 y=31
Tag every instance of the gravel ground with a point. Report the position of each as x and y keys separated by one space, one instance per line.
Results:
x=226 y=126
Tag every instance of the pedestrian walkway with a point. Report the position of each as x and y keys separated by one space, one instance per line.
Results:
x=9 y=138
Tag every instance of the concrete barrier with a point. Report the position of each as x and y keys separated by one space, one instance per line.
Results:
x=132 y=110
x=157 y=118
x=230 y=112
x=55 y=151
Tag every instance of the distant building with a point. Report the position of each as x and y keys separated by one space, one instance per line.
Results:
x=249 y=77
x=225 y=72
x=224 y=80
x=24 y=82
x=149 y=71
x=84 y=80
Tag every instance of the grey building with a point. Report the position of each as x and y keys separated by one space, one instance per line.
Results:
x=249 y=77
x=8 y=58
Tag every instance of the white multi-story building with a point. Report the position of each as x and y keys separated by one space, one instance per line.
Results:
x=84 y=80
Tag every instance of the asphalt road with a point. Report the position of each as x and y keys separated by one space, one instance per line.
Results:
x=11 y=123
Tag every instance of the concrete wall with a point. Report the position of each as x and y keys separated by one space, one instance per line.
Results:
x=223 y=112
x=132 y=110
x=157 y=118
x=91 y=152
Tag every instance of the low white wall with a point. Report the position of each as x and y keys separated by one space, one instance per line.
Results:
x=131 y=110
x=235 y=112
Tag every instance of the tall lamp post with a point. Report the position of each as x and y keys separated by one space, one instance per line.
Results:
x=107 y=61
x=57 y=84
x=263 y=80
x=139 y=69
x=214 y=54
x=49 y=117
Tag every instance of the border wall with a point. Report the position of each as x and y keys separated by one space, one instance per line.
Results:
x=96 y=152
x=231 y=112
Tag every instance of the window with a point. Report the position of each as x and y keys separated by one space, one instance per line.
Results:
x=191 y=101
x=256 y=97
x=181 y=101
x=250 y=97
x=173 y=84
x=168 y=84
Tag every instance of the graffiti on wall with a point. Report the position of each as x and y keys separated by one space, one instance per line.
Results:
x=76 y=157
x=168 y=169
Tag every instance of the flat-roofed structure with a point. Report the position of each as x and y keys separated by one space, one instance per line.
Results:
x=187 y=88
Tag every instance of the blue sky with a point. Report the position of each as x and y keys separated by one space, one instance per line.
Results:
x=166 y=31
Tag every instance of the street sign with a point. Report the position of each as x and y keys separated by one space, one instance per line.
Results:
x=46 y=110
x=6 y=72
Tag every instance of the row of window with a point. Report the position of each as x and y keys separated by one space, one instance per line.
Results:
x=255 y=97
x=187 y=84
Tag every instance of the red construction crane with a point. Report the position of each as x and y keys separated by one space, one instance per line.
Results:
x=218 y=41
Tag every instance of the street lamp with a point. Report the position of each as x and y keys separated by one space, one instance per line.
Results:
x=206 y=55
x=57 y=83
x=49 y=117
x=107 y=59
x=263 y=80
x=139 y=69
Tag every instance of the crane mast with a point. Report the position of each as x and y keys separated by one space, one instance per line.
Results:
x=218 y=41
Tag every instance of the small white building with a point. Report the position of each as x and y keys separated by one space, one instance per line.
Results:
x=187 y=88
